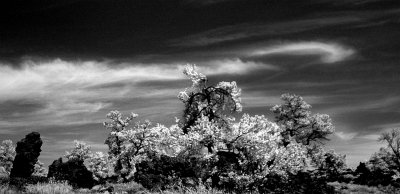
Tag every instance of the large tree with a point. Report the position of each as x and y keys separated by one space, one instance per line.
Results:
x=295 y=117
x=215 y=102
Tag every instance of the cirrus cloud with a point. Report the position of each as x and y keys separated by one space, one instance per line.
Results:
x=329 y=52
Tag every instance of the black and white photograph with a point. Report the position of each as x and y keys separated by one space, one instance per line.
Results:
x=200 y=96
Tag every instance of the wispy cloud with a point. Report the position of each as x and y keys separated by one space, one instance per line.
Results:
x=260 y=99
x=247 y=30
x=68 y=92
x=329 y=52
x=345 y=136
x=386 y=126
x=372 y=137
x=234 y=66
x=361 y=104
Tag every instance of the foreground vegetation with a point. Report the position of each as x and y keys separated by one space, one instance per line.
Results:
x=206 y=151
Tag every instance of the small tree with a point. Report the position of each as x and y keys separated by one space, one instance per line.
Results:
x=129 y=146
x=392 y=152
x=383 y=165
x=81 y=151
x=295 y=117
x=101 y=165
x=329 y=162
x=39 y=170
x=7 y=155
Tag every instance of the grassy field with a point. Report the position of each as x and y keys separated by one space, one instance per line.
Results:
x=54 y=187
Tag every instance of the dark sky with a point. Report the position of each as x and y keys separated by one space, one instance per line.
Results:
x=64 y=64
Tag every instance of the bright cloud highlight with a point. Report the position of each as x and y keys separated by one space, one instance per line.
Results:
x=330 y=53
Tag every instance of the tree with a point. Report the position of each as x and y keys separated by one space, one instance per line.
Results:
x=101 y=165
x=28 y=150
x=39 y=169
x=7 y=155
x=329 y=162
x=243 y=154
x=384 y=165
x=215 y=102
x=81 y=151
x=129 y=146
x=392 y=153
x=295 y=117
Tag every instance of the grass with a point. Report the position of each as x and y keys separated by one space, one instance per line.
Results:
x=6 y=189
x=52 y=187
x=348 y=188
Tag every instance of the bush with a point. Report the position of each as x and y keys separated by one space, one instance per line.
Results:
x=373 y=177
x=73 y=171
x=163 y=172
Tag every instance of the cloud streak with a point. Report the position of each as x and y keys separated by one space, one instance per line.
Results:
x=67 y=92
x=248 y=30
x=329 y=52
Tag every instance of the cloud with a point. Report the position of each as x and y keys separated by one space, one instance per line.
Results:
x=372 y=137
x=72 y=92
x=345 y=136
x=233 y=66
x=386 y=126
x=364 y=103
x=247 y=30
x=329 y=52
x=260 y=99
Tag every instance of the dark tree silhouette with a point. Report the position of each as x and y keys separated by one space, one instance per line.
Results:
x=28 y=151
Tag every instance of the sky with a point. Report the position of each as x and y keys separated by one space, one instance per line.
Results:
x=64 y=64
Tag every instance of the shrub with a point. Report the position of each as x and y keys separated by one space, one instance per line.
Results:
x=162 y=171
x=73 y=171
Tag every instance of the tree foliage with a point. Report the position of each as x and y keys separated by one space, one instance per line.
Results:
x=209 y=145
x=295 y=117
x=214 y=102
x=39 y=170
x=384 y=166
x=391 y=155
x=81 y=151
x=7 y=155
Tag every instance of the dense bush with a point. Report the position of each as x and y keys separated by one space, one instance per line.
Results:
x=374 y=177
x=73 y=171
x=162 y=172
